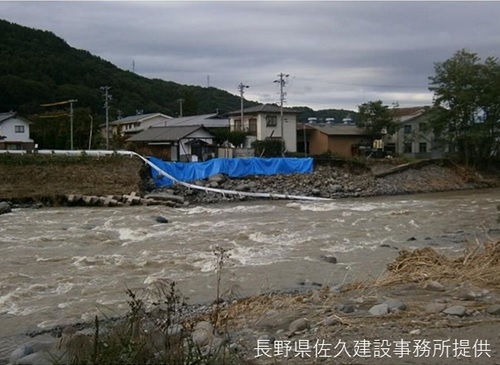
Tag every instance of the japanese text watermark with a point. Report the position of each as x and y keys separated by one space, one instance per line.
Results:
x=417 y=348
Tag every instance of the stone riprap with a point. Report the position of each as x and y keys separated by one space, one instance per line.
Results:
x=330 y=182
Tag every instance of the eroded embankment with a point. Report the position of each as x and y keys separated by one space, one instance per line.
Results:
x=46 y=179
x=49 y=179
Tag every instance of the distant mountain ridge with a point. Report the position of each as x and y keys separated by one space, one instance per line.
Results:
x=37 y=67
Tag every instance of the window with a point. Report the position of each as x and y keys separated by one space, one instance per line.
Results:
x=407 y=129
x=422 y=147
x=422 y=127
x=19 y=128
x=252 y=126
x=13 y=146
x=237 y=125
x=407 y=148
x=271 y=121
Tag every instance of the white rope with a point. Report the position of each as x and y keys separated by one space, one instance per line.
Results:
x=230 y=192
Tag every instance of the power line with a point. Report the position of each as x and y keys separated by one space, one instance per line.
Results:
x=65 y=102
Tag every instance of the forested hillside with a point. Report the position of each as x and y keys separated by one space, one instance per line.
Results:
x=37 y=67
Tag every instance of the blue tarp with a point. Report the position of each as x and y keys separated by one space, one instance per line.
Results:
x=232 y=167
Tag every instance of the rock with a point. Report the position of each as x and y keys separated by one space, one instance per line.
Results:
x=166 y=197
x=203 y=334
x=335 y=188
x=467 y=295
x=336 y=288
x=416 y=332
x=160 y=219
x=434 y=307
x=379 y=309
x=32 y=353
x=411 y=239
x=298 y=325
x=329 y=259
x=218 y=178
x=37 y=358
x=455 y=310
x=5 y=208
x=344 y=308
x=494 y=309
x=395 y=304
x=216 y=345
x=266 y=337
x=434 y=286
x=331 y=321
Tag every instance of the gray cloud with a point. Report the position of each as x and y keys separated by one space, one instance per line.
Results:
x=338 y=54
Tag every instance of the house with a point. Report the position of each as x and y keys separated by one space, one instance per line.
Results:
x=413 y=137
x=264 y=122
x=15 y=132
x=344 y=140
x=207 y=120
x=175 y=143
x=138 y=122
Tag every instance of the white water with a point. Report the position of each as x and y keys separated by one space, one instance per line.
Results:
x=62 y=265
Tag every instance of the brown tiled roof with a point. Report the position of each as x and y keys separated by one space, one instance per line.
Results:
x=403 y=112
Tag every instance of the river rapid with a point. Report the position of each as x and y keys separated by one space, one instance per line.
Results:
x=66 y=265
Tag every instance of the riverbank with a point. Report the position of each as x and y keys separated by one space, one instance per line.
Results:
x=345 y=179
x=343 y=313
x=427 y=308
x=57 y=180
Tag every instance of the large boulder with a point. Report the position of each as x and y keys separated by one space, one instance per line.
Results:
x=5 y=207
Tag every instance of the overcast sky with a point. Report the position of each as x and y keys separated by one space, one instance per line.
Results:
x=337 y=54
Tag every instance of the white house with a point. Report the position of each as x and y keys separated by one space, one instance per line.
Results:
x=413 y=137
x=213 y=120
x=264 y=122
x=137 y=123
x=15 y=132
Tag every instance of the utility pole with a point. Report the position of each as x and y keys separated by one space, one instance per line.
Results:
x=107 y=98
x=91 y=127
x=241 y=88
x=180 y=106
x=71 y=120
x=282 y=81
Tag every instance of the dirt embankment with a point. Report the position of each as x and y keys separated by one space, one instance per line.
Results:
x=49 y=179
x=46 y=178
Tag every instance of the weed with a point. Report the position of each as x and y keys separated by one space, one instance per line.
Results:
x=156 y=330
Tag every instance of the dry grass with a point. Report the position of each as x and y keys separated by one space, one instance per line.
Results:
x=478 y=264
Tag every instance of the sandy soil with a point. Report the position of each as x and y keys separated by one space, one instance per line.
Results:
x=315 y=327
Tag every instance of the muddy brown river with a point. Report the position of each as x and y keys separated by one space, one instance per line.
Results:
x=66 y=265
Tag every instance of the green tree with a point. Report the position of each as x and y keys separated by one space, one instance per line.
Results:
x=376 y=119
x=467 y=101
